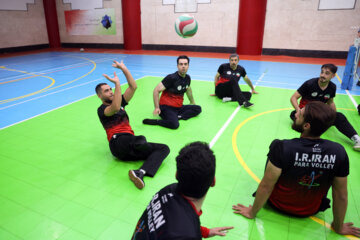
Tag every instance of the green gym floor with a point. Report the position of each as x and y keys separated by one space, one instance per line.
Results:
x=58 y=179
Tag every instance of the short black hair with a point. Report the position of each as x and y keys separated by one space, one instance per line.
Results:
x=195 y=169
x=183 y=57
x=330 y=66
x=98 y=88
x=320 y=116
x=234 y=55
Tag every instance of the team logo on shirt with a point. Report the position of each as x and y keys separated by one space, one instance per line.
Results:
x=327 y=96
x=228 y=72
x=316 y=148
x=314 y=94
x=238 y=74
x=309 y=181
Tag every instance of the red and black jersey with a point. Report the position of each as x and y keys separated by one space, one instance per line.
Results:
x=310 y=91
x=227 y=74
x=308 y=169
x=169 y=215
x=175 y=86
x=117 y=123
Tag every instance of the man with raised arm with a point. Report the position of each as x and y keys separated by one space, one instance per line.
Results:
x=122 y=142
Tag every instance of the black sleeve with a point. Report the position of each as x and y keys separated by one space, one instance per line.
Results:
x=101 y=110
x=221 y=69
x=168 y=81
x=303 y=89
x=123 y=101
x=243 y=72
x=275 y=155
x=342 y=170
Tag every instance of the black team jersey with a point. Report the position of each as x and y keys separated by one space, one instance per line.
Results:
x=169 y=216
x=310 y=91
x=308 y=169
x=117 y=123
x=227 y=74
x=176 y=86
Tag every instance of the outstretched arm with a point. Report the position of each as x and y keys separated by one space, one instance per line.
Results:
x=115 y=105
x=340 y=200
x=190 y=95
x=129 y=92
x=157 y=90
x=266 y=186
x=249 y=83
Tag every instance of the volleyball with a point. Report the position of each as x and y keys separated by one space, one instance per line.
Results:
x=186 y=26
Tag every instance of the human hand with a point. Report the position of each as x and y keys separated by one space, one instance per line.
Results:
x=119 y=65
x=243 y=210
x=254 y=92
x=157 y=111
x=115 y=79
x=219 y=231
x=347 y=229
x=213 y=94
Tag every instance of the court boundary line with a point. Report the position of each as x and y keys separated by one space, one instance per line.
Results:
x=37 y=115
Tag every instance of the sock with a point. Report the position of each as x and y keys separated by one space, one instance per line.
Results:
x=355 y=138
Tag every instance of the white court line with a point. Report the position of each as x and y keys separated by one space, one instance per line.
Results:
x=60 y=106
x=351 y=98
x=226 y=124
x=80 y=64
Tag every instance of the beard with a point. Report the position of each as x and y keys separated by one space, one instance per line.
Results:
x=108 y=101
x=297 y=127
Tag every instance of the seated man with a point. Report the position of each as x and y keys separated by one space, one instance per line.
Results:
x=170 y=107
x=323 y=90
x=123 y=144
x=174 y=211
x=300 y=171
x=227 y=82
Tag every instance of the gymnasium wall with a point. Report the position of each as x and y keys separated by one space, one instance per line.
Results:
x=217 y=24
x=297 y=24
x=102 y=39
x=290 y=24
x=23 y=28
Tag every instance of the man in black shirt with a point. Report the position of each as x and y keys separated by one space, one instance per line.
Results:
x=227 y=82
x=323 y=90
x=123 y=143
x=300 y=171
x=170 y=106
x=174 y=211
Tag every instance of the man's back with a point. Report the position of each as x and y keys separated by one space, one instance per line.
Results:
x=168 y=216
x=308 y=169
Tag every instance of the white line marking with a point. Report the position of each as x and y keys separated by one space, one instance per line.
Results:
x=351 y=98
x=57 y=107
x=226 y=124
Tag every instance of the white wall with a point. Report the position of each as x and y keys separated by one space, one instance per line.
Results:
x=217 y=24
x=23 y=28
x=107 y=39
x=290 y=24
x=297 y=24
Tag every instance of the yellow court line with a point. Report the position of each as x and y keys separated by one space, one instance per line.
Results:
x=252 y=174
x=30 y=94
x=48 y=87
x=338 y=78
